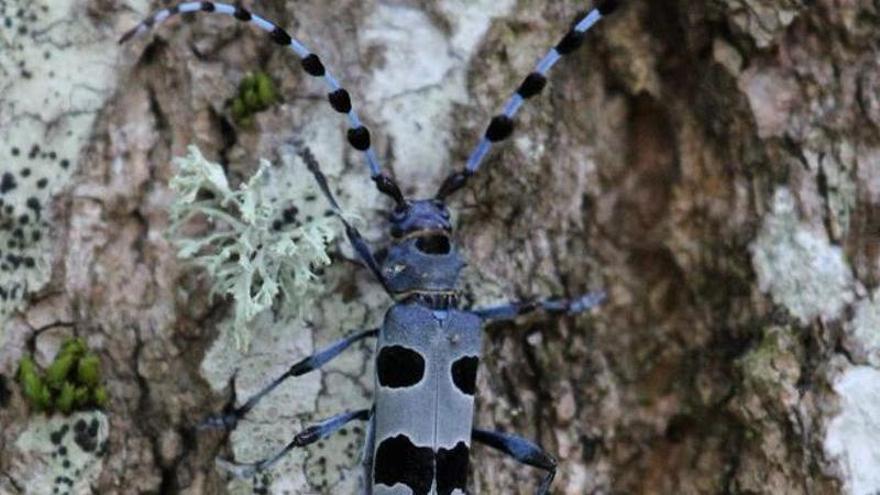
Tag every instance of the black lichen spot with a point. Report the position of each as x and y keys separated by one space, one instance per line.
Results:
x=42 y=183
x=58 y=435
x=65 y=163
x=464 y=374
x=289 y=214
x=15 y=151
x=86 y=435
x=25 y=172
x=398 y=367
x=7 y=183
x=399 y=461
x=34 y=204
x=452 y=469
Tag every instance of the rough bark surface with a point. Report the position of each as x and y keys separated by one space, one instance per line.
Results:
x=715 y=166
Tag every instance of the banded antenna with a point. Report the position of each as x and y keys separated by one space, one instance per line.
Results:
x=358 y=134
x=501 y=126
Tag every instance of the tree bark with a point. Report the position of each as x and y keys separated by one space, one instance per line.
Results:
x=714 y=166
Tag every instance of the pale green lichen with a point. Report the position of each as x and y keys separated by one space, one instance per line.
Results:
x=798 y=266
x=256 y=251
x=55 y=79
x=863 y=331
x=852 y=437
x=61 y=454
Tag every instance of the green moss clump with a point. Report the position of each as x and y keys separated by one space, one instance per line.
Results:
x=71 y=383
x=256 y=93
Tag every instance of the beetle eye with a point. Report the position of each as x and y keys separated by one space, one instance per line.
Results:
x=441 y=207
x=398 y=214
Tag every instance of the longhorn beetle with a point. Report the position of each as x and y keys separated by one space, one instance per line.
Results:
x=420 y=426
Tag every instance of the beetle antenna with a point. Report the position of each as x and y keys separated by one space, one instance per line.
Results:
x=501 y=126
x=339 y=98
x=354 y=236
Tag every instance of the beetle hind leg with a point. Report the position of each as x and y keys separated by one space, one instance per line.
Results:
x=306 y=437
x=524 y=451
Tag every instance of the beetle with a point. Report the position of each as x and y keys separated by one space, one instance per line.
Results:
x=420 y=426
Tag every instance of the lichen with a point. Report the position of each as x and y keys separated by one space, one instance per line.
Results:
x=853 y=436
x=257 y=250
x=863 y=331
x=763 y=20
x=54 y=78
x=798 y=266
x=770 y=372
x=61 y=454
x=72 y=382
x=256 y=93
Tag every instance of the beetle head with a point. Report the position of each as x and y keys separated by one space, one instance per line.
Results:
x=422 y=257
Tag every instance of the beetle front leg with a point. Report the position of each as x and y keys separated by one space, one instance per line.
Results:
x=512 y=310
x=229 y=419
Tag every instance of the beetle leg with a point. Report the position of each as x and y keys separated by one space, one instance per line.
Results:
x=512 y=310
x=229 y=419
x=306 y=437
x=524 y=451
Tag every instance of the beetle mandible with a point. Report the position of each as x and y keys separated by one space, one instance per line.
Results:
x=420 y=426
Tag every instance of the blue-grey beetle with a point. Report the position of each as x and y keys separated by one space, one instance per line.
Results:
x=420 y=426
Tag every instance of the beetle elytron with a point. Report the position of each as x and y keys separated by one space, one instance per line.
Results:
x=421 y=422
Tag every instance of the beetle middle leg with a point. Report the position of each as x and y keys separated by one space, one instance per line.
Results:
x=229 y=419
x=512 y=310
x=524 y=451
x=306 y=437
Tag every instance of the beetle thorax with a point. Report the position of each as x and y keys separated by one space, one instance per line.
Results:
x=422 y=260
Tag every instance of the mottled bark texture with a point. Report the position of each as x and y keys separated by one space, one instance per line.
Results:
x=715 y=166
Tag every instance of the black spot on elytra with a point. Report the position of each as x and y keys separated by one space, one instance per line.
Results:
x=399 y=367
x=399 y=461
x=464 y=374
x=452 y=469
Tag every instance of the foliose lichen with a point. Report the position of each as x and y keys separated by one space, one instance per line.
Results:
x=71 y=383
x=256 y=251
